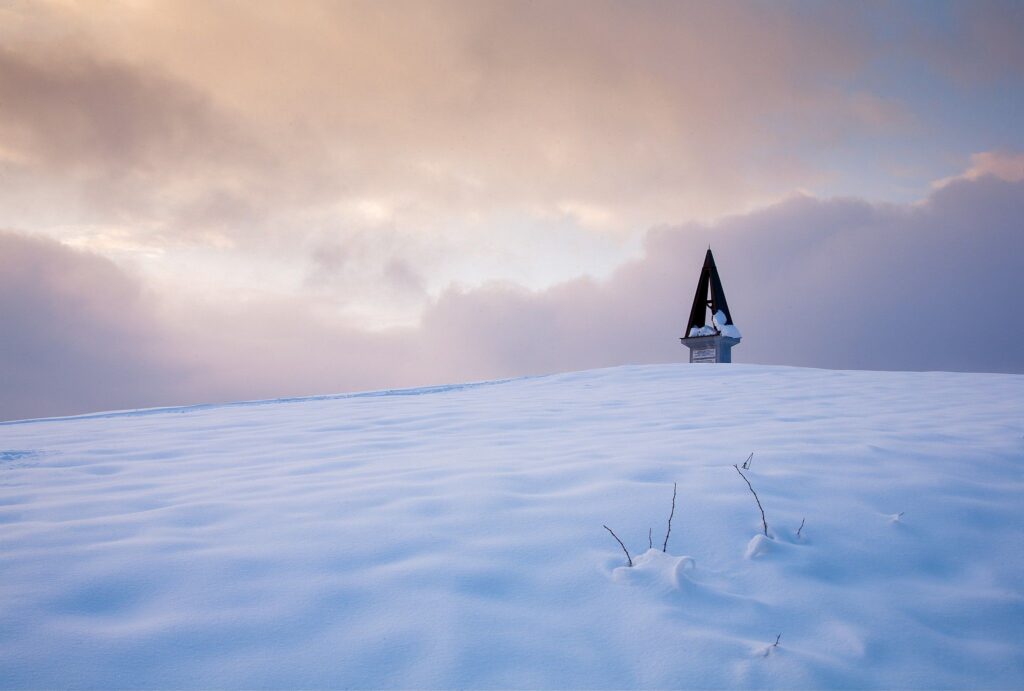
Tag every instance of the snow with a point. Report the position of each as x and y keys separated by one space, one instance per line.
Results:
x=720 y=326
x=731 y=331
x=721 y=323
x=452 y=537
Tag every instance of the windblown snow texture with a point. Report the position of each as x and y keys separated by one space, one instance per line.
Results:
x=452 y=537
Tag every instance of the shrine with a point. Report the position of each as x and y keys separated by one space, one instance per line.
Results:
x=710 y=340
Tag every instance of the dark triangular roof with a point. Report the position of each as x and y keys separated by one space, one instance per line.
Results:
x=709 y=294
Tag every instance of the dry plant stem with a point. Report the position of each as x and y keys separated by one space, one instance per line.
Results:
x=650 y=545
x=628 y=558
x=664 y=547
x=801 y=527
x=763 y=520
x=768 y=650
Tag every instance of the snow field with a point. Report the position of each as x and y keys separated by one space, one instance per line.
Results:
x=451 y=537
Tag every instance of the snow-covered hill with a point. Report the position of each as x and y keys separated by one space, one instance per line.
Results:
x=452 y=537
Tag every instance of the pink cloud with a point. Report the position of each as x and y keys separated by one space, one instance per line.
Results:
x=835 y=283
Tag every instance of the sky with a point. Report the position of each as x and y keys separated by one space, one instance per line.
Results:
x=231 y=200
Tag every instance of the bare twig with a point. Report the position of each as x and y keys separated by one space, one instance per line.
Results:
x=650 y=545
x=746 y=463
x=801 y=527
x=763 y=520
x=768 y=651
x=664 y=547
x=628 y=558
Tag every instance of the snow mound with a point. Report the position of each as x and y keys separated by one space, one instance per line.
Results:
x=759 y=546
x=724 y=327
x=451 y=537
x=656 y=568
x=719 y=325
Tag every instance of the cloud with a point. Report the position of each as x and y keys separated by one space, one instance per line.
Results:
x=263 y=171
x=78 y=334
x=72 y=111
x=91 y=142
x=999 y=164
x=838 y=283
x=513 y=141
x=446 y=106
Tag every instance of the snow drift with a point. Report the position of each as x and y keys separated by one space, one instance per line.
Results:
x=451 y=536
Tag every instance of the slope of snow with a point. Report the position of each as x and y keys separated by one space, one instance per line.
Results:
x=452 y=537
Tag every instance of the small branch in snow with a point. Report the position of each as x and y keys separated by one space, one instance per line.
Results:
x=650 y=545
x=628 y=558
x=800 y=528
x=763 y=520
x=746 y=463
x=664 y=547
x=768 y=650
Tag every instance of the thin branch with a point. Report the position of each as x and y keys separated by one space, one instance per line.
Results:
x=628 y=558
x=763 y=520
x=650 y=545
x=768 y=650
x=664 y=547
x=801 y=527
x=746 y=463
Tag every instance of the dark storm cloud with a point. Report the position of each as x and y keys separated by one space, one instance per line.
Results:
x=837 y=283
